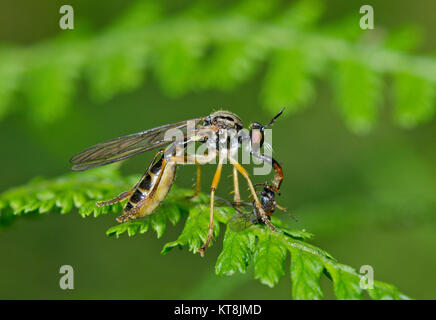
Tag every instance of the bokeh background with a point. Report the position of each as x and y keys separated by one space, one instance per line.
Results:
x=369 y=198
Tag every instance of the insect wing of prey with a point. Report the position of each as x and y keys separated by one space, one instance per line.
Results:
x=128 y=146
x=241 y=220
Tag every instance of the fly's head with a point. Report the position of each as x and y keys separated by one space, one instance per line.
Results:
x=256 y=134
x=257 y=131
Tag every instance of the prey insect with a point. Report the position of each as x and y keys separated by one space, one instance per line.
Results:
x=156 y=182
x=247 y=214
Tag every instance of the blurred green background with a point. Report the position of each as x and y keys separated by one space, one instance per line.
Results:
x=369 y=199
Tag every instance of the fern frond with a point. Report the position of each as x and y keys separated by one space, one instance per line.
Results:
x=65 y=193
x=414 y=100
x=358 y=94
x=258 y=246
x=203 y=47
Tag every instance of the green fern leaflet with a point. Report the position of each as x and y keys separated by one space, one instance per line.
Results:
x=258 y=246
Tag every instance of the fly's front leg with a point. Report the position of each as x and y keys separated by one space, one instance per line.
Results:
x=262 y=213
x=278 y=175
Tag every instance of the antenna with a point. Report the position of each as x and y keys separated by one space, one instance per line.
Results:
x=274 y=119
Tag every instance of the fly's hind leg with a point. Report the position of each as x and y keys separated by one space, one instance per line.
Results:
x=197 y=184
x=119 y=198
x=129 y=213
x=201 y=160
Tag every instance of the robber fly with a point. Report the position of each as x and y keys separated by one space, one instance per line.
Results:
x=156 y=182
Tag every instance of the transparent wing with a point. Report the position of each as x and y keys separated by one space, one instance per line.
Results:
x=221 y=202
x=240 y=222
x=125 y=147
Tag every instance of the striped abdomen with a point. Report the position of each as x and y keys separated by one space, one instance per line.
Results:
x=150 y=191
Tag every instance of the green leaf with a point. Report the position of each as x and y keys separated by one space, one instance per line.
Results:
x=358 y=92
x=231 y=64
x=385 y=291
x=206 y=46
x=117 y=230
x=176 y=67
x=63 y=194
x=257 y=245
x=65 y=202
x=46 y=206
x=115 y=70
x=287 y=82
x=194 y=233
x=346 y=282
x=131 y=227
x=302 y=14
x=414 y=100
x=269 y=260
x=172 y=212
x=258 y=9
x=10 y=76
x=405 y=38
x=139 y=15
x=168 y=210
x=306 y=270
x=49 y=85
x=298 y=234
x=236 y=253
x=158 y=223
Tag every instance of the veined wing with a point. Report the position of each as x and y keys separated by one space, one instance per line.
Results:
x=127 y=146
x=241 y=220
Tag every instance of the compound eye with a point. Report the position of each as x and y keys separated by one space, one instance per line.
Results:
x=256 y=125
x=256 y=138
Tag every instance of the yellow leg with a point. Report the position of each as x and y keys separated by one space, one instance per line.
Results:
x=120 y=197
x=253 y=193
x=281 y=208
x=237 y=195
x=214 y=186
x=189 y=159
x=197 y=184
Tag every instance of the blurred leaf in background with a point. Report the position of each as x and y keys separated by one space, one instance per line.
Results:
x=205 y=46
